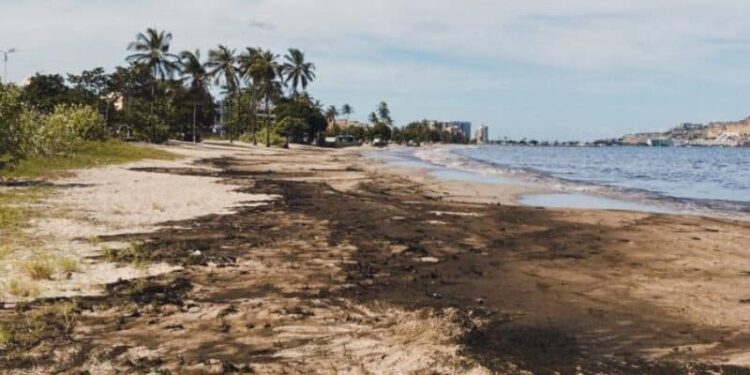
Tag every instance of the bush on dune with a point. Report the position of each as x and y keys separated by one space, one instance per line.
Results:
x=66 y=125
x=25 y=132
x=12 y=137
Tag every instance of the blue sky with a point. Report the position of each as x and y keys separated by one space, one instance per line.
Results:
x=545 y=69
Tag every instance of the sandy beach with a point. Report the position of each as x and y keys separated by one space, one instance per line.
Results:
x=312 y=260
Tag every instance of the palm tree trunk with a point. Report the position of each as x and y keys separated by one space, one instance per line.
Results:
x=153 y=99
x=254 y=111
x=194 y=120
x=239 y=114
x=268 y=125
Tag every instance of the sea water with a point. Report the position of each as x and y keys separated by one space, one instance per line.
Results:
x=660 y=179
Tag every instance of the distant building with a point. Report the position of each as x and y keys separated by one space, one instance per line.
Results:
x=117 y=100
x=482 y=134
x=464 y=127
x=691 y=126
x=345 y=123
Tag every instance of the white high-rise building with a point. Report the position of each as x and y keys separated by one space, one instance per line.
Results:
x=482 y=134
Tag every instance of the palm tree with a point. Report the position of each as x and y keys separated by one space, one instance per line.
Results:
x=385 y=114
x=297 y=70
x=221 y=66
x=346 y=110
x=152 y=50
x=267 y=72
x=330 y=115
x=374 y=118
x=195 y=71
x=245 y=65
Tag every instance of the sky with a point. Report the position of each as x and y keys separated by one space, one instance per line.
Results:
x=541 y=69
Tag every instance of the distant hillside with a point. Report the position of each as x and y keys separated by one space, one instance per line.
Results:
x=730 y=134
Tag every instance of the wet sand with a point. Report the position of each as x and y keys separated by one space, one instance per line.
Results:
x=359 y=268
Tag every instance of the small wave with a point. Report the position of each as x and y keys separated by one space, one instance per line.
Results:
x=461 y=158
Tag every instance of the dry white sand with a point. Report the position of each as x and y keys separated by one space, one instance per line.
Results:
x=114 y=200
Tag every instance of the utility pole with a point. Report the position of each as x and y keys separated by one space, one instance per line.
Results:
x=5 y=62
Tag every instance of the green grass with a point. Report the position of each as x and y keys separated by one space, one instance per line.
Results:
x=84 y=155
x=15 y=207
x=16 y=204
x=5 y=335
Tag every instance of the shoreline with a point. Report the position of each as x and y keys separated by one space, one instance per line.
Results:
x=358 y=267
x=546 y=192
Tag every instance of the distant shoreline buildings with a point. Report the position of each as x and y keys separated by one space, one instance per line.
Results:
x=463 y=127
x=482 y=135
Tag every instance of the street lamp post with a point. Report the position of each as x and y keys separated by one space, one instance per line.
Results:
x=5 y=62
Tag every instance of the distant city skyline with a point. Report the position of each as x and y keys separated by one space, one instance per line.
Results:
x=578 y=69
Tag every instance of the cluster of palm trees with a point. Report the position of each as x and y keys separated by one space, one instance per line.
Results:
x=256 y=72
x=331 y=113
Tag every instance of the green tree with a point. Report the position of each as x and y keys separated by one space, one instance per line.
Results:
x=380 y=130
x=330 y=114
x=297 y=70
x=267 y=74
x=222 y=66
x=373 y=118
x=14 y=137
x=347 y=110
x=384 y=114
x=132 y=84
x=358 y=132
x=195 y=72
x=152 y=50
x=90 y=88
x=306 y=109
x=45 y=92
x=253 y=78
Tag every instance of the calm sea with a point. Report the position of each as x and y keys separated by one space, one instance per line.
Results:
x=701 y=180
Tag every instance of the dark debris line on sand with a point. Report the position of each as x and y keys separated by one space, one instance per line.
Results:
x=403 y=257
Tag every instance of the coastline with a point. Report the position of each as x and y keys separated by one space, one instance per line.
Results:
x=360 y=267
x=447 y=182
x=484 y=182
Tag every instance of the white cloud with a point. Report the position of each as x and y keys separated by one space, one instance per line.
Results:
x=423 y=51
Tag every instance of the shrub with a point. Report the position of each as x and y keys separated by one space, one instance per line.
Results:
x=157 y=132
x=20 y=288
x=67 y=125
x=12 y=138
x=67 y=265
x=6 y=335
x=38 y=268
x=147 y=120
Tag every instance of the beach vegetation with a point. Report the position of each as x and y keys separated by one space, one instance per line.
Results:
x=84 y=154
x=5 y=251
x=22 y=288
x=297 y=70
x=67 y=265
x=16 y=208
x=44 y=92
x=222 y=66
x=137 y=253
x=30 y=324
x=160 y=95
x=6 y=335
x=38 y=268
